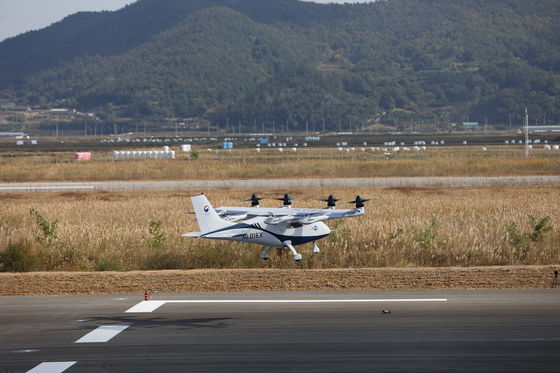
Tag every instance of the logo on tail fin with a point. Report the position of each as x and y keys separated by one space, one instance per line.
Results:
x=206 y=208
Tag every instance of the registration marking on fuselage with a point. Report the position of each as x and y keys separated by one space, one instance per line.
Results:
x=152 y=305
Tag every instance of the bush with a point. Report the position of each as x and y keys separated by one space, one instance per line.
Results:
x=523 y=242
x=158 y=237
x=427 y=238
x=17 y=258
x=516 y=237
x=46 y=235
x=540 y=227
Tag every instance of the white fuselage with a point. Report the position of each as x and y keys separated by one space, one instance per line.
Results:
x=257 y=231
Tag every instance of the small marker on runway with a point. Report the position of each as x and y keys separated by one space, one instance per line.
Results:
x=55 y=367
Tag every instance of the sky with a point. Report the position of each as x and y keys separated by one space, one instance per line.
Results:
x=19 y=16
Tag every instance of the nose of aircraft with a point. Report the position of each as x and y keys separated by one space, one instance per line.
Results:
x=324 y=229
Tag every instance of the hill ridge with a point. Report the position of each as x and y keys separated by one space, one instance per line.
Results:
x=395 y=61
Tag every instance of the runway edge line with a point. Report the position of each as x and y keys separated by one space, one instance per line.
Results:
x=152 y=305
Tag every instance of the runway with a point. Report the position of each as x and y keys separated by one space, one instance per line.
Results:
x=258 y=184
x=324 y=331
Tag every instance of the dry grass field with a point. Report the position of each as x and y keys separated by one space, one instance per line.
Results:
x=404 y=227
x=305 y=163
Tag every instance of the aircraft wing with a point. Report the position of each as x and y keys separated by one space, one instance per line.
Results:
x=266 y=211
x=287 y=215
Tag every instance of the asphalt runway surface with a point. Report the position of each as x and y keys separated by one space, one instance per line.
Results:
x=258 y=184
x=326 y=331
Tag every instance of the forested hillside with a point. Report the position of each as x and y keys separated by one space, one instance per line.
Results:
x=272 y=61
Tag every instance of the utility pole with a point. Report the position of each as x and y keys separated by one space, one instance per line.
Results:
x=526 y=134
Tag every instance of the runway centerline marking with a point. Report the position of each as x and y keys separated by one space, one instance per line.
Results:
x=55 y=367
x=152 y=305
x=102 y=334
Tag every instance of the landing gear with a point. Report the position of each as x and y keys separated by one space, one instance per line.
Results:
x=297 y=256
x=316 y=249
x=264 y=255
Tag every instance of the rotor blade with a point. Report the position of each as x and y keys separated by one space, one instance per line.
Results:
x=331 y=201
x=254 y=197
x=254 y=200
x=359 y=201
x=287 y=199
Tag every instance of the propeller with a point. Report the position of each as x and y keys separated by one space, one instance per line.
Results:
x=331 y=201
x=287 y=200
x=359 y=201
x=254 y=200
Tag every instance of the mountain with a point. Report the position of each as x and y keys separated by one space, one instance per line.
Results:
x=272 y=61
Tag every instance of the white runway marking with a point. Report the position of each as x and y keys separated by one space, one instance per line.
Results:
x=57 y=367
x=102 y=334
x=147 y=306
x=152 y=305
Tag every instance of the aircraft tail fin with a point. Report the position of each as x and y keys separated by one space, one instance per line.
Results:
x=207 y=218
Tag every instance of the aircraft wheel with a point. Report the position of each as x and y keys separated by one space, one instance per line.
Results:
x=297 y=257
x=316 y=249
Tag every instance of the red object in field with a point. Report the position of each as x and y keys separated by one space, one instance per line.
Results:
x=147 y=296
x=82 y=156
